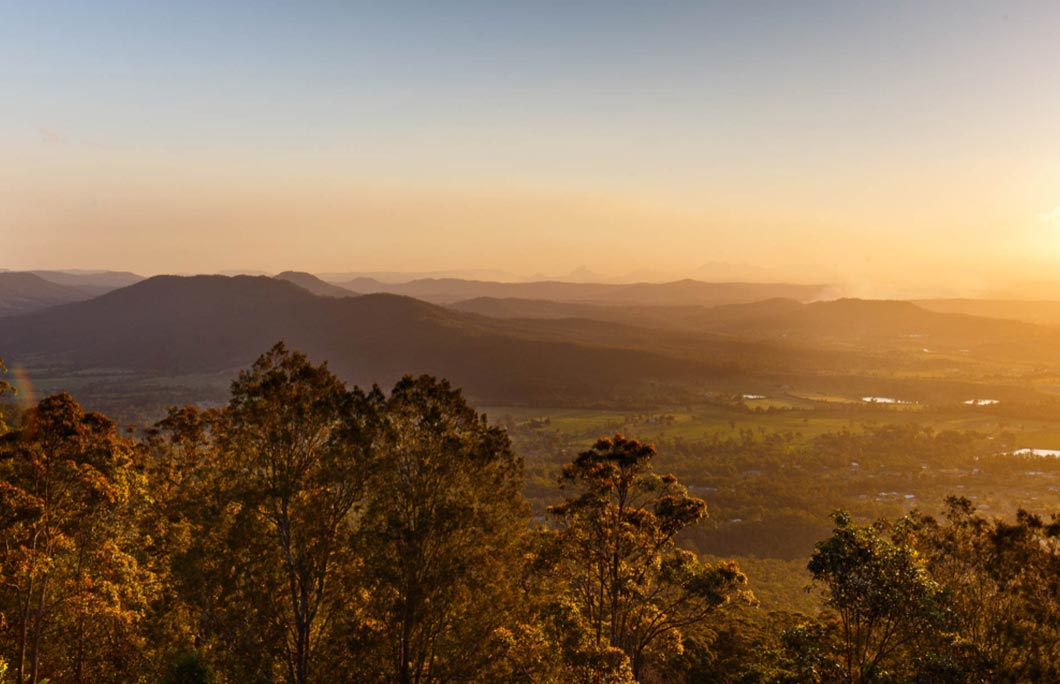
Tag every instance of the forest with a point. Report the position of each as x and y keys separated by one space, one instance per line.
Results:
x=307 y=531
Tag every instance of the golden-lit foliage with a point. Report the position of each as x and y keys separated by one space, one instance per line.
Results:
x=311 y=533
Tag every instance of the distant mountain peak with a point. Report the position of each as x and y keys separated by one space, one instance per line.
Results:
x=314 y=284
x=25 y=292
x=582 y=274
x=101 y=281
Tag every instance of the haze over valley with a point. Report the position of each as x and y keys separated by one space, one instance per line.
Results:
x=532 y=343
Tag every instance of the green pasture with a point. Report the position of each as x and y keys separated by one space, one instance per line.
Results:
x=827 y=414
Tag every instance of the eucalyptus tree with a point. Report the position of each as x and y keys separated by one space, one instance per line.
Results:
x=890 y=610
x=634 y=589
x=298 y=444
x=71 y=577
x=441 y=530
x=1002 y=582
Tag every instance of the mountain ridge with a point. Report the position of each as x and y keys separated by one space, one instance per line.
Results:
x=24 y=292
x=178 y=325
x=676 y=293
x=314 y=284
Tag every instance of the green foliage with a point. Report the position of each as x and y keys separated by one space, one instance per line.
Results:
x=439 y=536
x=297 y=443
x=632 y=587
x=312 y=530
x=886 y=600
x=71 y=493
x=1003 y=587
x=189 y=667
x=965 y=600
x=307 y=532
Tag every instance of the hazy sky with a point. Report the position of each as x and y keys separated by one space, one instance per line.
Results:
x=915 y=142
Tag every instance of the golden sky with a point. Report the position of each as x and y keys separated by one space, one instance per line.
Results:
x=903 y=147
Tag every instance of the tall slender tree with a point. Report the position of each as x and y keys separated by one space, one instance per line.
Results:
x=443 y=518
x=633 y=587
x=299 y=443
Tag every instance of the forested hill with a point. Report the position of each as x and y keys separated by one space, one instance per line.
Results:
x=839 y=323
x=314 y=284
x=876 y=323
x=26 y=291
x=677 y=293
x=171 y=325
x=22 y=292
x=98 y=281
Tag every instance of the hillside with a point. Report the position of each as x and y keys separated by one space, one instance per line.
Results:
x=843 y=323
x=22 y=292
x=1039 y=312
x=881 y=324
x=170 y=337
x=93 y=281
x=669 y=317
x=513 y=307
x=678 y=293
x=170 y=326
x=310 y=282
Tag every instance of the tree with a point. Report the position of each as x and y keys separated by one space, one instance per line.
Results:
x=335 y=532
x=1002 y=581
x=549 y=642
x=299 y=443
x=70 y=493
x=200 y=544
x=189 y=668
x=440 y=532
x=885 y=599
x=635 y=590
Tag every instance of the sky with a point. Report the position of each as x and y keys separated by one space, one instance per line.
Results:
x=879 y=145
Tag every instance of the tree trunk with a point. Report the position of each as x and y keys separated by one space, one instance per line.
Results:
x=23 y=635
x=37 y=626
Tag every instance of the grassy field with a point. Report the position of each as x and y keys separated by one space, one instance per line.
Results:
x=788 y=414
x=776 y=504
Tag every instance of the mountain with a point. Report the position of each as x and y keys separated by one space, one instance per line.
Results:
x=315 y=285
x=843 y=324
x=685 y=318
x=702 y=318
x=173 y=339
x=582 y=274
x=882 y=326
x=242 y=271
x=677 y=293
x=1028 y=311
x=513 y=307
x=96 y=282
x=860 y=319
x=407 y=276
x=170 y=326
x=22 y=292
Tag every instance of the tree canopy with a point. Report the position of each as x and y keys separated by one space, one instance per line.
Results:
x=307 y=532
